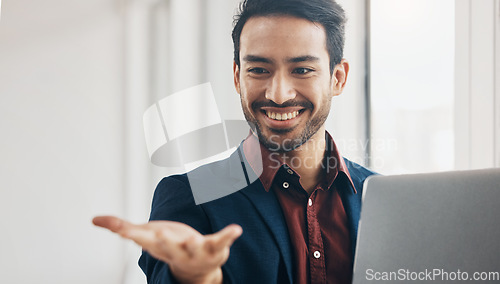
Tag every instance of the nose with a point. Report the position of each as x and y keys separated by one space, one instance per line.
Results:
x=280 y=89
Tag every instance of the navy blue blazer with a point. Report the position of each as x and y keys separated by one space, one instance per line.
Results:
x=263 y=253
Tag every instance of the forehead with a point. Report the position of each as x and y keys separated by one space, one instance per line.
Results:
x=282 y=37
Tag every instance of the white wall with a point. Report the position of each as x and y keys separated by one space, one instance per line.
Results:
x=61 y=145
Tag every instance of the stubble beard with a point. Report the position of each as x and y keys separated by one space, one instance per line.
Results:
x=289 y=144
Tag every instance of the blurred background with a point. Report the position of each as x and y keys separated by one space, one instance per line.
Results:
x=77 y=76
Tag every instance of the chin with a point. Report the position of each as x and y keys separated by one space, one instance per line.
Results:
x=280 y=142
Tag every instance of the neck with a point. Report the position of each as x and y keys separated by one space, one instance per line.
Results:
x=307 y=160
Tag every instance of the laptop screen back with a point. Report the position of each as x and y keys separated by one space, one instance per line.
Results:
x=430 y=227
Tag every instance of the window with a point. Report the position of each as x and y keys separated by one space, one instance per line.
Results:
x=412 y=85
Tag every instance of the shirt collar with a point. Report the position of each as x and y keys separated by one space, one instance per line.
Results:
x=268 y=162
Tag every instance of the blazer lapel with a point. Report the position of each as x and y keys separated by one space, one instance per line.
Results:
x=269 y=209
x=265 y=203
x=352 y=202
x=352 y=205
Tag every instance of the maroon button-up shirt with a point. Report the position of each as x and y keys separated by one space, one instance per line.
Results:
x=317 y=224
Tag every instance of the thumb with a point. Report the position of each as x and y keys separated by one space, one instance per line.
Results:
x=225 y=237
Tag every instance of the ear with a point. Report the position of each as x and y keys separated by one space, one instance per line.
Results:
x=236 y=77
x=339 y=77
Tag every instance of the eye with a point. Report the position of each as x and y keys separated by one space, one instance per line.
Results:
x=302 y=70
x=258 y=70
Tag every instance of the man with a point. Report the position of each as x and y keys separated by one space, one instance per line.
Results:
x=297 y=222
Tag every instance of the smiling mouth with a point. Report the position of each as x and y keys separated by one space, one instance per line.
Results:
x=282 y=116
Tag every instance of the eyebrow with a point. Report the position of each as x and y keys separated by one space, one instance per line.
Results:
x=254 y=58
x=305 y=58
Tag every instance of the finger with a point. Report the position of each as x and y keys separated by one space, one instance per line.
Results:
x=111 y=223
x=157 y=238
x=224 y=238
x=138 y=233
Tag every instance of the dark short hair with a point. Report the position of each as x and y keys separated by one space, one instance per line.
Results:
x=325 y=12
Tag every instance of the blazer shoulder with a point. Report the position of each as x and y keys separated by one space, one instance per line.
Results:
x=173 y=201
x=171 y=188
x=358 y=172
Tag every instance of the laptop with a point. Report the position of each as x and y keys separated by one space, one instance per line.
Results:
x=430 y=228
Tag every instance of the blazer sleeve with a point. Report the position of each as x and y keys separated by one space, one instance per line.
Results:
x=172 y=201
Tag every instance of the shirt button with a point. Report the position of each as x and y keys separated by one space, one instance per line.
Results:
x=285 y=185
x=310 y=202
x=317 y=254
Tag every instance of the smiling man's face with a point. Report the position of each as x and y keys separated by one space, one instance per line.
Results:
x=284 y=80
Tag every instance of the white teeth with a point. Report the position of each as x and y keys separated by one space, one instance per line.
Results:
x=282 y=116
